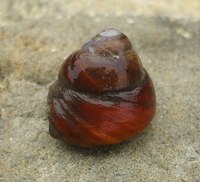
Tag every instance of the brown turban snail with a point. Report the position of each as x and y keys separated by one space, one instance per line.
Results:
x=103 y=95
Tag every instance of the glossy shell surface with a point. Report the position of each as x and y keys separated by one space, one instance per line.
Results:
x=103 y=95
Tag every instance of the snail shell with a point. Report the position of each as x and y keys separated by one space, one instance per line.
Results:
x=103 y=95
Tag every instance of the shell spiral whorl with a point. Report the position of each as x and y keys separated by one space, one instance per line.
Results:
x=102 y=95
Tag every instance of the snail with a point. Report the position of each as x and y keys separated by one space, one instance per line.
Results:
x=103 y=95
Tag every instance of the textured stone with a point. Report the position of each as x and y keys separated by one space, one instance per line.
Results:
x=31 y=54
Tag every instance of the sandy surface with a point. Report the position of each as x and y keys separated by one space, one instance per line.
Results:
x=33 y=42
x=17 y=10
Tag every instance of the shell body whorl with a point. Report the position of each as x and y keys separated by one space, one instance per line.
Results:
x=103 y=95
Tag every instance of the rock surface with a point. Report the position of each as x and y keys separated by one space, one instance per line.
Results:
x=31 y=53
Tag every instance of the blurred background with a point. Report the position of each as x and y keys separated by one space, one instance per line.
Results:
x=16 y=10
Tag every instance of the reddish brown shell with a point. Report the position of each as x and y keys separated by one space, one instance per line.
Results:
x=102 y=95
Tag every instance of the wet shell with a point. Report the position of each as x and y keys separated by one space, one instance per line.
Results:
x=103 y=95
